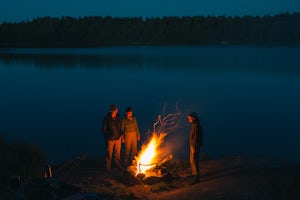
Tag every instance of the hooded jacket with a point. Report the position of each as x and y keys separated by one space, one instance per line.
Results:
x=196 y=132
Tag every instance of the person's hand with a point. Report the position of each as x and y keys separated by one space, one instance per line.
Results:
x=122 y=139
x=138 y=138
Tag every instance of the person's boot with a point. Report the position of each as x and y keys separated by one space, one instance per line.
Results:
x=196 y=179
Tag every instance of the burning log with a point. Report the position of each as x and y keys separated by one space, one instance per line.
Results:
x=152 y=167
x=166 y=159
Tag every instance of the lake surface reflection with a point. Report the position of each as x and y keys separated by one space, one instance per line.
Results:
x=247 y=97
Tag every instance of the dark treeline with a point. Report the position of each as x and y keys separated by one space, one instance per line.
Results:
x=281 y=29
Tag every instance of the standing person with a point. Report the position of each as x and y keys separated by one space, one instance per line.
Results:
x=196 y=141
x=131 y=135
x=112 y=133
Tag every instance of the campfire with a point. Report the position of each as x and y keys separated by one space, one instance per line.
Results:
x=153 y=155
x=150 y=154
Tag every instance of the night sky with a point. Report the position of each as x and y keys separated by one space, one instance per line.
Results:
x=20 y=10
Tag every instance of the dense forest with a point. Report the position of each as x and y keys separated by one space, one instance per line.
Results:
x=281 y=29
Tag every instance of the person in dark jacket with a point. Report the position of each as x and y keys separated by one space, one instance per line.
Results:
x=112 y=133
x=196 y=141
x=131 y=135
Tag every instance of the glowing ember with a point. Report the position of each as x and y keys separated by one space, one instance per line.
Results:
x=147 y=158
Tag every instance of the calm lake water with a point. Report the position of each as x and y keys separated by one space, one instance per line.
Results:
x=248 y=98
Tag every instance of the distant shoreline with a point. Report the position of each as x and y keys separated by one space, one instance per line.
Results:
x=68 y=32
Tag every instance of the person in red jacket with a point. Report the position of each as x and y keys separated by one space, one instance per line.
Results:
x=196 y=141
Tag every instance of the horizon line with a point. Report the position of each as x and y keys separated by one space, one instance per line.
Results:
x=148 y=17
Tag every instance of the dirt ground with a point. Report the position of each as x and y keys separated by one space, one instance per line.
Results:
x=239 y=177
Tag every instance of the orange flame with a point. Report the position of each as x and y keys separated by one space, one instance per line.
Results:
x=149 y=155
x=152 y=152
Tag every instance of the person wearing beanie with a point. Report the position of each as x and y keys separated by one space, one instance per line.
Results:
x=196 y=141
x=131 y=135
x=112 y=133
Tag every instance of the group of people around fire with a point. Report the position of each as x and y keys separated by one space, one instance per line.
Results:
x=118 y=130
